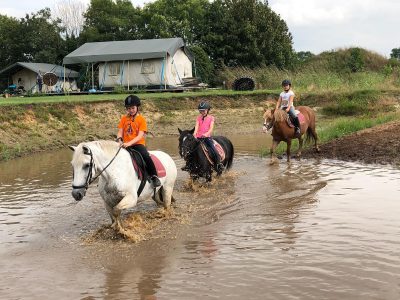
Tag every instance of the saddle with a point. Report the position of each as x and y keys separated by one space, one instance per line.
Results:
x=207 y=153
x=300 y=116
x=141 y=169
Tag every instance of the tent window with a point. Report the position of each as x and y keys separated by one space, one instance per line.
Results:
x=114 y=69
x=147 y=67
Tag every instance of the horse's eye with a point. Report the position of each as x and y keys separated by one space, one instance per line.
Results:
x=86 y=166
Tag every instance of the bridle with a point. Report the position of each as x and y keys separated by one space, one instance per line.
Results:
x=89 y=178
x=187 y=149
x=268 y=125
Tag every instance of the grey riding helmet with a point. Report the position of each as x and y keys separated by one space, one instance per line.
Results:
x=204 y=106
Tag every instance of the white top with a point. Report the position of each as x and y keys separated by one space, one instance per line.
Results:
x=285 y=98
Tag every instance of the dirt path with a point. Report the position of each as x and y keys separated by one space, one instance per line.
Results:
x=379 y=145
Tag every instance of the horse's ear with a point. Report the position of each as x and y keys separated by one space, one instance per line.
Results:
x=72 y=147
x=192 y=131
x=180 y=131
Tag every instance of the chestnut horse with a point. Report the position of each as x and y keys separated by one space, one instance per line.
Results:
x=282 y=131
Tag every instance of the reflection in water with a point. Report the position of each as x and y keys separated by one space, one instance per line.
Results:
x=303 y=230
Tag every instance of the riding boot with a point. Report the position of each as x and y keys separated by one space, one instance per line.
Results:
x=296 y=124
x=155 y=181
x=219 y=167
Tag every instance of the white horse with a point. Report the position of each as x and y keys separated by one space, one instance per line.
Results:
x=118 y=180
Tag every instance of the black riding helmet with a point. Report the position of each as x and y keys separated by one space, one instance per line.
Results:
x=132 y=100
x=286 y=82
x=204 y=105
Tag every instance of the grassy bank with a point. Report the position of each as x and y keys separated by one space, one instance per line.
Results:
x=34 y=124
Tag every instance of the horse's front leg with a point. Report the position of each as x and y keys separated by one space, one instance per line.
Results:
x=289 y=145
x=298 y=155
x=274 y=159
x=111 y=214
x=128 y=201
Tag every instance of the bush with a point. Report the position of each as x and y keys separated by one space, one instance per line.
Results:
x=204 y=69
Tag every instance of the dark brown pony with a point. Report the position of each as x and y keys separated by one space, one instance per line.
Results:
x=282 y=131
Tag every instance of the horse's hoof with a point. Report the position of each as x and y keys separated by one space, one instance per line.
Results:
x=272 y=162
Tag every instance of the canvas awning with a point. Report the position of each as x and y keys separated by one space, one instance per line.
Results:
x=42 y=67
x=123 y=50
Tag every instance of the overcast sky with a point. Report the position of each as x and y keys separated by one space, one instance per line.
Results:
x=316 y=25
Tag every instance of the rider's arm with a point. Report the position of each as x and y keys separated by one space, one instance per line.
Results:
x=196 y=128
x=210 y=130
x=120 y=134
x=278 y=104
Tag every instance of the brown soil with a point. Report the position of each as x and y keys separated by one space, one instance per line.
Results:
x=378 y=145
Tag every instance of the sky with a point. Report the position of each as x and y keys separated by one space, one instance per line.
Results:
x=316 y=25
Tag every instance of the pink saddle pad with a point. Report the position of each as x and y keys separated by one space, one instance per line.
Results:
x=301 y=118
x=161 y=172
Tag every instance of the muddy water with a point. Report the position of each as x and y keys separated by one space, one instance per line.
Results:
x=308 y=230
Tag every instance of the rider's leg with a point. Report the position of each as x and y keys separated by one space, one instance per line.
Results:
x=218 y=166
x=149 y=164
x=295 y=119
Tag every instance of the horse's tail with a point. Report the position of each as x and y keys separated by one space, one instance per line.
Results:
x=311 y=134
x=232 y=152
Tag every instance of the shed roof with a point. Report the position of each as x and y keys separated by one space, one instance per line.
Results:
x=123 y=50
x=42 y=67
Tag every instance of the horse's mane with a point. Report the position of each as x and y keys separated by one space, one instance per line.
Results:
x=280 y=115
x=109 y=147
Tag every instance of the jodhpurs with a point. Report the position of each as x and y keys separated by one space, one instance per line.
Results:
x=210 y=144
x=293 y=115
x=146 y=157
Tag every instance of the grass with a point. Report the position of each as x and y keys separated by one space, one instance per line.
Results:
x=121 y=97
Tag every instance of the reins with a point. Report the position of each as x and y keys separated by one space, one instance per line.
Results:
x=89 y=179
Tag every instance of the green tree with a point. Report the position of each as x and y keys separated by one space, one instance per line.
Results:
x=246 y=33
x=174 y=18
x=11 y=46
x=395 y=53
x=107 y=20
x=42 y=38
x=303 y=56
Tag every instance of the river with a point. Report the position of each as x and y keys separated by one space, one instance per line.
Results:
x=310 y=229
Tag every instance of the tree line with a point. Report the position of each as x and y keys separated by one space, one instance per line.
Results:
x=220 y=33
x=233 y=33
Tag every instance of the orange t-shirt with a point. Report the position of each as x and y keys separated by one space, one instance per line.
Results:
x=131 y=128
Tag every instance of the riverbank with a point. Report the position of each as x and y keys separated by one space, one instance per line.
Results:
x=29 y=128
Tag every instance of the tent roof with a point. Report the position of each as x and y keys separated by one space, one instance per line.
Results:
x=123 y=50
x=42 y=67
